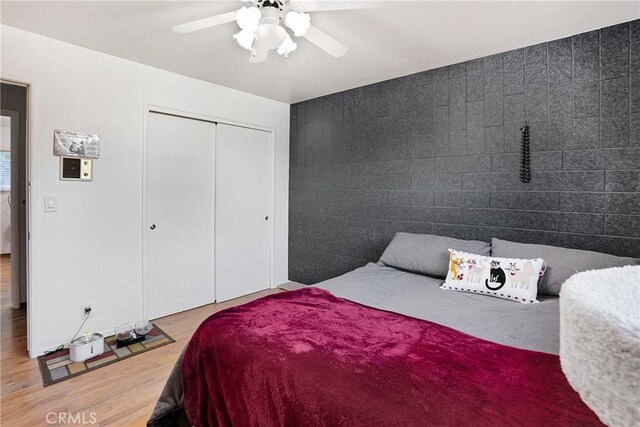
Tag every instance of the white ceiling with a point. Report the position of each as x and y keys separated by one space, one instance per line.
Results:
x=396 y=39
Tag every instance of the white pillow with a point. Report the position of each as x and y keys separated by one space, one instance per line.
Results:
x=507 y=278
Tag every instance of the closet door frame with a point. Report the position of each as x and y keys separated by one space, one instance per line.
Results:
x=153 y=107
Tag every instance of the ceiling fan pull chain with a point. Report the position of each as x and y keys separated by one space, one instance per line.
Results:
x=525 y=161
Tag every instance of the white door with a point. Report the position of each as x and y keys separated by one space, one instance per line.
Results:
x=242 y=223
x=179 y=186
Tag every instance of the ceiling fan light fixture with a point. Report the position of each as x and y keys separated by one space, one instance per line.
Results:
x=287 y=46
x=299 y=22
x=248 y=18
x=245 y=38
x=271 y=35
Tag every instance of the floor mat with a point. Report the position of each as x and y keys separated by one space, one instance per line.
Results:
x=57 y=367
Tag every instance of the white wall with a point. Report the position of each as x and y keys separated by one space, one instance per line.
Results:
x=5 y=133
x=90 y=251
x=5 y=209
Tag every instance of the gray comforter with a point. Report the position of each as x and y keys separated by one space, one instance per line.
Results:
x=527 y=326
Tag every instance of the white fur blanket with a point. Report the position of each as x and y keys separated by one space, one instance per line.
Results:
x=600 y=341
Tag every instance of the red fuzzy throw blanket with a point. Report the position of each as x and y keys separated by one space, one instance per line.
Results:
x=308 y=358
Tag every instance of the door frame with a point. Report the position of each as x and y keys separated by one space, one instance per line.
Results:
x=154 y=107
x=31 y=172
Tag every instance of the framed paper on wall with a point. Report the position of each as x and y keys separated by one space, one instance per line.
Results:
x=76 y=144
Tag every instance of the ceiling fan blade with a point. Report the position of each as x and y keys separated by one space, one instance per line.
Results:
x=258 y=54
x=326 y=5
x=325 y=42
x=201 y=24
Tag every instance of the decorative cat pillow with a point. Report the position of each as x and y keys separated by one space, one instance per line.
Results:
x=508 y=278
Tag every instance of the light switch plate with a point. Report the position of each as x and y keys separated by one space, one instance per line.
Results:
x=86 y=170
x=50 y=204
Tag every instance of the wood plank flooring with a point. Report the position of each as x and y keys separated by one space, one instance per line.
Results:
x=122 y=394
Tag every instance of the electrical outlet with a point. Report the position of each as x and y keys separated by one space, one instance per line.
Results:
x=86 y=311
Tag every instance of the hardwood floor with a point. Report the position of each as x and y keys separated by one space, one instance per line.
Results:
x=120 y=394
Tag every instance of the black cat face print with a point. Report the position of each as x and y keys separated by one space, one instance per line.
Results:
x=497 y=278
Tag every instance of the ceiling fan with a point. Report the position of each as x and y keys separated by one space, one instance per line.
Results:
x=260 y=29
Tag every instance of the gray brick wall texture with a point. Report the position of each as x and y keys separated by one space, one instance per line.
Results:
x=438 y=152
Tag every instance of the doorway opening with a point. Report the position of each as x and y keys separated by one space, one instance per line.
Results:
x=14 y=184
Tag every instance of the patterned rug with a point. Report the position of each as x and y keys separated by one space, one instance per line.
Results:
x=57 y=367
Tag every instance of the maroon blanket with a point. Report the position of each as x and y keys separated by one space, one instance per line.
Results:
x=308 y=358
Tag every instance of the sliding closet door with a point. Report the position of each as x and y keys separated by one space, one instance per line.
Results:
x=179 y=196
x=242 y=223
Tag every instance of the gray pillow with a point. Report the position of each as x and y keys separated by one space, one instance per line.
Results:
x=426 y=253
x=562 y=263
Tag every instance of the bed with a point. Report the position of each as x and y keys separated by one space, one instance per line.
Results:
x=338 y=353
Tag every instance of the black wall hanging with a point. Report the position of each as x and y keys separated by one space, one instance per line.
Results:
x=525 y=161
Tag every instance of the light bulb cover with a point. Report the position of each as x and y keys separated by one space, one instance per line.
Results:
x=299 y=22
x=287 y=46
x=245 y=38
x=248 y=18
x=270 y=35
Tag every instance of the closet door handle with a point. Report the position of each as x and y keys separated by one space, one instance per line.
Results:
x=153 y=226
x=266 y=218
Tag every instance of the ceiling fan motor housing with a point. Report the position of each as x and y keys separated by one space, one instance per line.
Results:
x=268 y=3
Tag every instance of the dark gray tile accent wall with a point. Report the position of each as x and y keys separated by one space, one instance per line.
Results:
x=438 y=152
